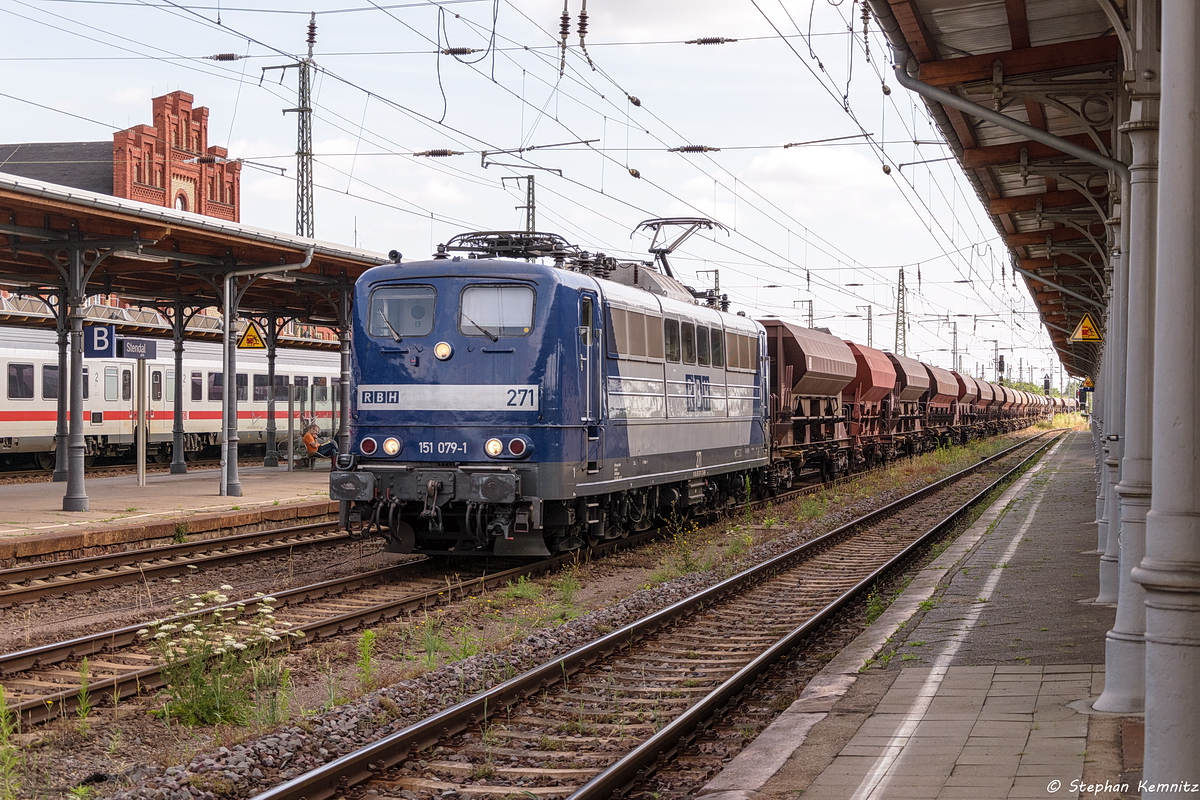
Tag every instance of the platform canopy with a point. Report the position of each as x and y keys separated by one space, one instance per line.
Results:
x=1054 y=65
x=152 y=253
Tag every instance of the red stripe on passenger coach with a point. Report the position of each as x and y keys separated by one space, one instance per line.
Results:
x=28 y=416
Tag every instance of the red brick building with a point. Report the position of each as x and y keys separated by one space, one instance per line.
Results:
x=168 y=163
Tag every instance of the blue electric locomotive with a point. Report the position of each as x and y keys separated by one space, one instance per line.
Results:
x=507 y=406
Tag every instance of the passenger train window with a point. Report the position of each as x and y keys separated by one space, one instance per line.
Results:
x=281 y=390
x=718 y=348
x=170 y=386
x=156 y=385
x=86 y=388
x=399 y=311
x=112 y=383
x=50 y=381
x=301 y=382
x=260 y=388
x=320 y=389
x=243 y=386
x=689 y=343
x=216 y=386
x=197 y=386
x=671 y=338
x=499 y=311
x=20 y=381
x=702 y=346
x=126 y=384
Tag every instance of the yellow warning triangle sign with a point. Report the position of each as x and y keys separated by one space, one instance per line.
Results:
x=1087 y=330
x=251 y=339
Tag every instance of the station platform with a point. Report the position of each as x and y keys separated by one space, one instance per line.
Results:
x=977 y=681
x=123 y=514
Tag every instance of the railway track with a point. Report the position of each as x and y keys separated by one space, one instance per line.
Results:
x=30 y=582
x=593 y=722
x=42 y=683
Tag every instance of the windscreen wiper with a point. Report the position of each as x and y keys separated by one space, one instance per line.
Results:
x=395 y=335
x=482 y=329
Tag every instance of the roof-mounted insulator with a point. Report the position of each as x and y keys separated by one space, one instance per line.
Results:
x=583 y=27
x=564 y=30
x=458 y=51
x=695 y=148
x=710 y=40
x=225 y=57
x=633 y=100
x=438 y=153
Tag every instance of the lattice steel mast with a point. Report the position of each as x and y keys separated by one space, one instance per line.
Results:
x=901 y=319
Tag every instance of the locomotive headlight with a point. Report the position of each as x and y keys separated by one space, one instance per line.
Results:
x=391 y=446
x=443 y=351
x=493 y=447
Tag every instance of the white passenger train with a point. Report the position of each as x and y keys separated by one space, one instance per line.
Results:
x=28 y=412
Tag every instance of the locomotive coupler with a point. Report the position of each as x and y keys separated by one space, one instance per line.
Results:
x=432 y=510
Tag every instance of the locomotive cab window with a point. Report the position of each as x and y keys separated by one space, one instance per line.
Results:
x=671 y=339
x=495 y=311
x=399 y=311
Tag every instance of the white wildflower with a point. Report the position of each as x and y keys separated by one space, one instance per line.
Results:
x=225 y=587
x=144 y=632
x=189 y=628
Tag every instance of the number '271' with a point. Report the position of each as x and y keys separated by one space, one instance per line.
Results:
x=520 y=397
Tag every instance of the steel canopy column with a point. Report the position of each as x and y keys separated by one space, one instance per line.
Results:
x=64 y=383
x=1112 y=433
x=232 y=485
x=178 y=323
x=1124 y=654
x=1170 y=571
x=271 y=459
x=76 y=498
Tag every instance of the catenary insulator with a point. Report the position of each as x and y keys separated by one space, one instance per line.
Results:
x=695 y=148
x=634 y=173
x=710 y=40
x=438 y=153
x=458 y=51
x=634 y=100
x=312 y=33
x=226 y=57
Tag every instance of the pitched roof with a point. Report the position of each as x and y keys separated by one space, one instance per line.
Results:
x=82 y=165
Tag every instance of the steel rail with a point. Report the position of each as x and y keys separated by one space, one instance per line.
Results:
x=57 y=577
x=335 y=777
x=635 y=765
x=128 y=684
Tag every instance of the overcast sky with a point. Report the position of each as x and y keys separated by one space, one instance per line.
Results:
x=821 y=222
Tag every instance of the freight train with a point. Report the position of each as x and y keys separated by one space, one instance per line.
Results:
x=506 y=406
x=29 y=416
